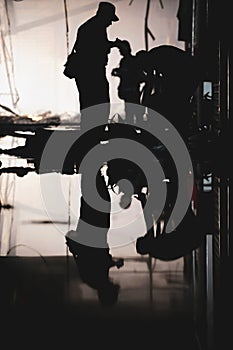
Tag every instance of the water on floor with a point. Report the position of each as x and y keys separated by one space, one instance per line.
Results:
x=38 y=272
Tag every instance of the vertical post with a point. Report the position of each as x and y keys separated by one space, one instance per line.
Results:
x=147 y=48
x=209 y=291
x=193 y=27
x=193 y=254
x=150 y=232
x=225 y=127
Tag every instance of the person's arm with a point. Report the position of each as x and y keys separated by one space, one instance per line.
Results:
x=114 y=43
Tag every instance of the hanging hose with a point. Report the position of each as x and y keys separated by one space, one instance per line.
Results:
x=161 y=4
x=146 y=24
x=146 y=27
x=9 y=55
x=67 y=27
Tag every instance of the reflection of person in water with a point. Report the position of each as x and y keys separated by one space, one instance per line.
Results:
x=93 y=266
x=129 y=86
x=89 y=246
x=92 y=47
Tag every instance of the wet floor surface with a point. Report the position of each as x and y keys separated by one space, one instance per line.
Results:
x=43 y=295
x=154 y=304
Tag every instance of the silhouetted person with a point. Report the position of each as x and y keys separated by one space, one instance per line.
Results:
x=92 y=47
x=173 y=76
x=129 y=86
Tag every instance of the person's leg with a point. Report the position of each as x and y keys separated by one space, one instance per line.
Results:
x=129 y=113
x=93 y=88
x=94 y=219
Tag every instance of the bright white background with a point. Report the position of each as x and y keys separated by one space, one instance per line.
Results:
x=39 y=47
